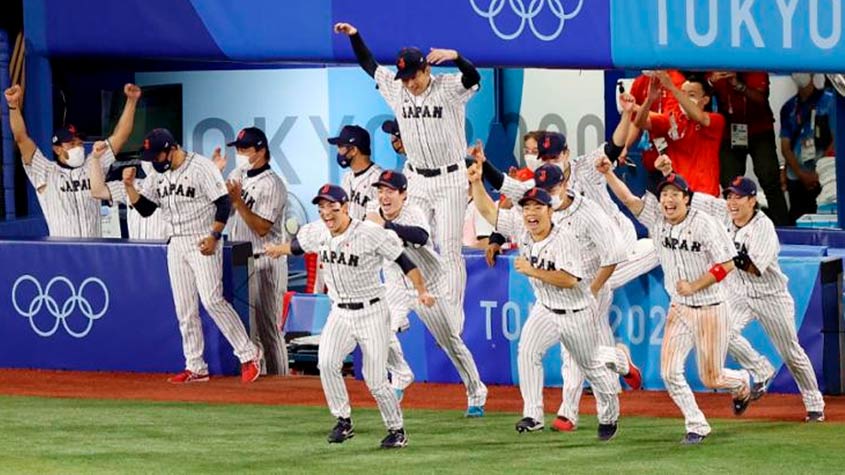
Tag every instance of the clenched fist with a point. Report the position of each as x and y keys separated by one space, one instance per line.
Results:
x=345 y=28
x=129 y=176
x=132 y=91
x=100 y=148
x=13 y=96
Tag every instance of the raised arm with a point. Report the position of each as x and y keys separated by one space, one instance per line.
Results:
x=694 y=112
x=642 y=120
x=126 y=123
x=620 y=189
x=618 y=141
x=470 y=76
x=362 y=53
x=483 y=203
x=99 y=189
x=14 y=98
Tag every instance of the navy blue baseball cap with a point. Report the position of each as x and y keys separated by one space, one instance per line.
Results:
x=551 y=144
x=538 y=195
x=742 y=186
x=408 y=62
x=331 y=193
x=675 y=180
x=65 y=134
x=392 y=179
x=353 y=135
x=391 y=127
x=250 y=137
x=548 y=176
x=156 y=141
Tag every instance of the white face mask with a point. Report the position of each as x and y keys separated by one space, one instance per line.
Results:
x=801 y=79
x=818 y=81
x=532 y=161
x=556 y=202
x=76 y=157
x=241 y=161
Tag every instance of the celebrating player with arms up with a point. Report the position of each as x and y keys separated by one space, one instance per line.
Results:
x=409 y=223
x=63 y=186
x=758 y=290
x=430 y=111
x=352 y=253
x=696 y=254
x=195 y=203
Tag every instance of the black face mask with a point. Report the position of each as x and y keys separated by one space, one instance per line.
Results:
x=162 y=166
x=343 y=160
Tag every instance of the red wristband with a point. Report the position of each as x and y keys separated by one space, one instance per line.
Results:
x=719 y=272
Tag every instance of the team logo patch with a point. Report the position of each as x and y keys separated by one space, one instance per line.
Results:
x=71 y=129
x=670 y=178
x=146 y=144
x=325 y=189
x=547 y=142
x=401 y=63
x=388 y=175
x=532 y=193
x=241 y=134
x=737 y=181
x=542 y=175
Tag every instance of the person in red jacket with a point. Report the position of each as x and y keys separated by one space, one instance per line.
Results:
x=693 y=133
x=743 y=99
x=665 y=103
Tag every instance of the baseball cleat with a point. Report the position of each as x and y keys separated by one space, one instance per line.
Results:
x=527 y=424
x=252 y=369
x=759 y=389
x=400 y=393
x=814 y=416
x=691 y=438
x=634 y=378
x=740 y=404
x=475 y=411
x=395 y=439
x=188 y=377
x=607 y=431
x=562 y=424
x=342 y=431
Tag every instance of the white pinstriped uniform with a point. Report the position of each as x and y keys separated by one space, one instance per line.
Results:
x=363 y=197
x=265 y=195
x=186 y=198
x=687 y=250
x=139 y=227
x=600 y=246
x=351 y=263
x=765 y=298
x=434 y=136
x=587 y=181
x=577 y=329
x=65 y=195
x=440 y=319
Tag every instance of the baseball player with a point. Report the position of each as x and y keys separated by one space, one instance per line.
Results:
x=565 y=309
x=63 y=187
x=259 y=198
x=352 y=252
x=195 y=203
x=696 y=254
x=758 y=290
x=391 y=127
x=409 y=223
x=152 y=227
x=600 y=250
x=431 y=111
x=353 y=152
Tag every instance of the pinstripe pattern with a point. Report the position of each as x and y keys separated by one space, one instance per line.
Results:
x=65 y=196
x=579 y=334
x=139 y=227
x=265 y=195
x=401 y=374
x=687 y=250
x=707 y=330
x=191 y=273
x=363 y=197
x=186 y=195
x=351 y=263
x=444 y=320
x=766 y=298
x=368 y=328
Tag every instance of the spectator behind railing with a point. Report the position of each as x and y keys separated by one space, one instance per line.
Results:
x=743 y=98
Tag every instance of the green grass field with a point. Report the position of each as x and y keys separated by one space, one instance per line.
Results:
x=39 y=435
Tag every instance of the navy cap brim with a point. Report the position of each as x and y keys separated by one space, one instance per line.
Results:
x=668 y=183
x=406 y=73
x=324 y=197
x=380 y=183
x=733 y=189
x=148 y=155
x=239 y=144
x=523 y=201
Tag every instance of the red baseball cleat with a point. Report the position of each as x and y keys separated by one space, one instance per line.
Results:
x=634 y=378
x=562 y=424
x=187 y=377
x=251 y=369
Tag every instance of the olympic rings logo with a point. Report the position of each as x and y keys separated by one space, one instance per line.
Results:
x=60 y=313
x=527 y=16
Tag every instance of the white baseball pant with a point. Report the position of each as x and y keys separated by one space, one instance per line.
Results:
x=579 y=334
x=191 y=273
x=777 y=316
x=447 y=335
x=443 y=199
x=369 y=328
x=271 y=277
x=573 y=375
x=706 y=329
